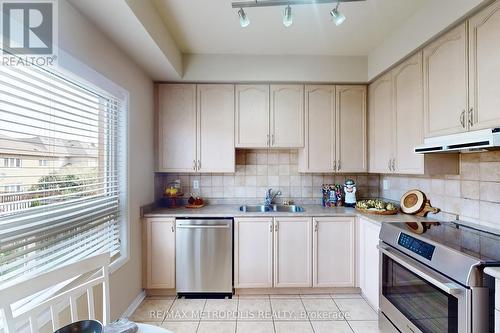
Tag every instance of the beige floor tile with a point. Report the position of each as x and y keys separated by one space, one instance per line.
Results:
x=346 y=295
x=217 y=327
x=181 y=326
x=372 y=327
x=356 y=309
x=152 y=310
x=254 y=309
x=322 y=309
x=293 y=327
x=331 y=327
x=255 y=327
x=288 y=309
x=220 y=309
x=186 y=310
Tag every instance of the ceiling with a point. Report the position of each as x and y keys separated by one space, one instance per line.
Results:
x=212 y=27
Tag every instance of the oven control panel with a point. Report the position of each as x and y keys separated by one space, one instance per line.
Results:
x=416 y=246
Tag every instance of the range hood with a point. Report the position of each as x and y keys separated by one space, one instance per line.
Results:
x=469 y=141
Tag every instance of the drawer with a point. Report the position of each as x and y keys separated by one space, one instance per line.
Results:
x=497 y=321
x=497 y=295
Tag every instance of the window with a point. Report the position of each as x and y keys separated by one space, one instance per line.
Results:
x=73 y=207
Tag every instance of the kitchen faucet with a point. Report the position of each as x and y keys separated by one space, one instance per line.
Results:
x=268 y=201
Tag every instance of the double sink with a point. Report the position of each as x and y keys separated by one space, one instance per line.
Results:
x=272 y=208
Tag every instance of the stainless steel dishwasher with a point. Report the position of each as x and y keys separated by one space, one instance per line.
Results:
x=204 y=256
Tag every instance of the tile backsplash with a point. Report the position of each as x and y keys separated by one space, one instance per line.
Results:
x=474 y=195
x=258 y=170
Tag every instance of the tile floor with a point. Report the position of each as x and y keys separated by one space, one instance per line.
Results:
x=335 y=313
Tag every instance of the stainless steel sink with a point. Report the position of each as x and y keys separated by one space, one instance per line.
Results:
x=255 y=208
x=272 y=208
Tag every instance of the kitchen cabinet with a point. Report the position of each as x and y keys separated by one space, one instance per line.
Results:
x=335 y=118
x=253 y=252
x=159 y=242
x=333 y=252
x=287 y=116
x=215 y=140
x=176 y=127
x=368 y=260
x=196 y=128
x=381 y=127
x=484 y=68
x=408 y=113
x=445 y=84
x=292 y=252
x=252 y=116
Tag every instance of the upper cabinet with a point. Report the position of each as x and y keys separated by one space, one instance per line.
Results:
x=287 y=116
x=484 y=68
x=196 y=128
x=335 y=118
x=445 y=84
x=176 y=127
x=252 y=116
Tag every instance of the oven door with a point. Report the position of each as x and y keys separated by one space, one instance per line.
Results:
x=418 y=299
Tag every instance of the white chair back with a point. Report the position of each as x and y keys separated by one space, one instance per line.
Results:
x=97 y=266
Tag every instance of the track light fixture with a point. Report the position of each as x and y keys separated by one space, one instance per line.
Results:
x=244 y=21
x=287 y=16
x=337 y=17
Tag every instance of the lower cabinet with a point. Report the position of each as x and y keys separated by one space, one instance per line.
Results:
x=368 y=260
x=333 y=252
x=294 y=252
x=253 y=252
x=159 y=241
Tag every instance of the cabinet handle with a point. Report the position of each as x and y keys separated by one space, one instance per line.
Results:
x=276 y=226
x=199 y=164
x=389 y=165
x=335 y=165
x=471 y=117
x=315 y=226
x=172 y=228
x=272 y=139
x=339 y=166
x=271 y=228
x=393 y=164
x=462 y=118
x=268 y=140
x=194 y=164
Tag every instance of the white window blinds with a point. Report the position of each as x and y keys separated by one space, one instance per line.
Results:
x=60 y=171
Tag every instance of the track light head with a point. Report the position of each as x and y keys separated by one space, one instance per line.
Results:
x=287 y=16
x=244 y=21
x=337 y=17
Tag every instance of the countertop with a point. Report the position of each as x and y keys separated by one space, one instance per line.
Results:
x=310 y=211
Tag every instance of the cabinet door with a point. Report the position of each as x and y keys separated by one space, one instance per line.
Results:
x=318 y=154
x=381 y=127
x=176 y=127
x=292 y=252
x=333 y=252
x=252 y=116
x=484 y=67
x=160 y=253
x=351 y=129
x=445 y=83
x=287 y=116
x=216 y=151
x=409 y=115
x=370 y=262
x=253 y=253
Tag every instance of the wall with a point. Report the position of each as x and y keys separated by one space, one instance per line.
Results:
x=474 y=194
x=82 y=40
x=258 y=170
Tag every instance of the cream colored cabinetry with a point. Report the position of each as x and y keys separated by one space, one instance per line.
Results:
x=269 y=116
x=445 y=83
x=176 y=127
x=333 y=252
x=335 y=129
x=252 y=116
x=159 y=243
x=292 y=252
x=396 y=122
x=368 y=260
x=484 y=68
x=253 y=252
x=196 y=128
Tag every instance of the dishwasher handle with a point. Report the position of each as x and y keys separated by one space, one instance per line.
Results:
x=202 y=226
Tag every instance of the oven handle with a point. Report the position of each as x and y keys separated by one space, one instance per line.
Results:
x=446 y=285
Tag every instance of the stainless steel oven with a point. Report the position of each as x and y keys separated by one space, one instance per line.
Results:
x=429 y=287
